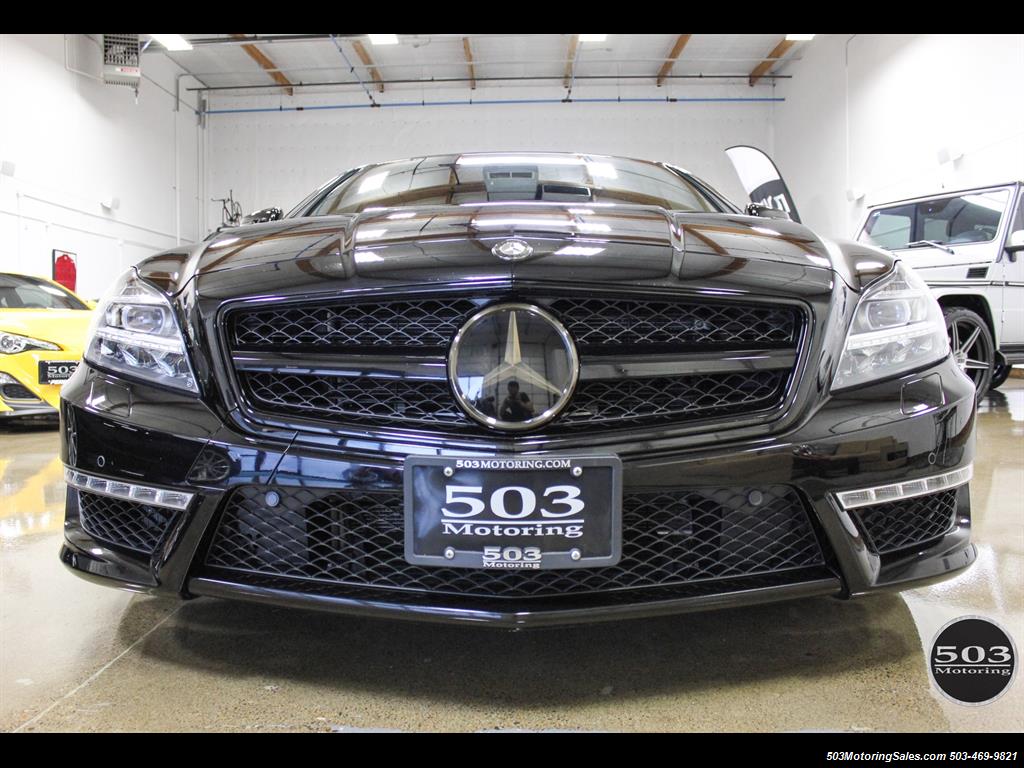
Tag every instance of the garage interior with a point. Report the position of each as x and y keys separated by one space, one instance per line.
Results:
x=101 y=169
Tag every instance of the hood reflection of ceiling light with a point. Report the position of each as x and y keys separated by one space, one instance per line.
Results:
x=593 y=38
x=383 y=39
x=369 y=234
x=799 y=38
x=370 y=183
x=578 y=250
x=519 y=160
x=363 y=257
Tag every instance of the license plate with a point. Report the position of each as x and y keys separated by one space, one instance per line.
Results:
x=56 y=371
x=513 y=513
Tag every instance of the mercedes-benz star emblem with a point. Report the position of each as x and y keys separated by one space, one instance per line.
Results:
x=513 y=367
x=512 y=250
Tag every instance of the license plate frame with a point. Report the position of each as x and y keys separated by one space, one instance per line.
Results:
x=45 y=376
x=428 y=539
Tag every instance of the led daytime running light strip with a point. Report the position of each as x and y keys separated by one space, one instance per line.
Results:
x=142 y=494
x=144 y=340
x=882 y=494
x=887 y=335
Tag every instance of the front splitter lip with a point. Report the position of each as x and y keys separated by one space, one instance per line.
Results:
x=213 y=587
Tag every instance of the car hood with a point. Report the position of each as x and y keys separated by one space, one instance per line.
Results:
x=64 y=327
x=570 y=243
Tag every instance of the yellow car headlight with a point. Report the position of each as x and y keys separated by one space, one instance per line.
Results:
x=12 y=343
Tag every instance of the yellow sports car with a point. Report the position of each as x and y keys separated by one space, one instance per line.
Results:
x=42 y=336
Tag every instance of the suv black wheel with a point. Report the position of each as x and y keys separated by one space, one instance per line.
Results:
x=972 y=346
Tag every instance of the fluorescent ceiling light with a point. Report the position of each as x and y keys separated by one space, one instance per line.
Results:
x=593 y=38
x=173 y=42
x=798 y=38
x=383 y=39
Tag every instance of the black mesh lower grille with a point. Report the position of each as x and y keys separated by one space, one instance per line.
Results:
x=670 y=537
x=16 y=392
x=909 y=522
x=595 y=404
x=139 y=527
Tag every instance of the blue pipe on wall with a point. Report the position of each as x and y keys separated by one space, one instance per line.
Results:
x=471 y=102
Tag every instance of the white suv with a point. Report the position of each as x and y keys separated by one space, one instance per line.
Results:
x=967 y=245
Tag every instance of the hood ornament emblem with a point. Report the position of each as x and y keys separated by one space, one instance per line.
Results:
x=513 y=367
x=513 y=250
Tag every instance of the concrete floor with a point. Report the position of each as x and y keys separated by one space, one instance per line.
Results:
x=77 y=657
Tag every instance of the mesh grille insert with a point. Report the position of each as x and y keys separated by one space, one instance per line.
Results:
x=670 y=537
x=593 y=322
x=139 y=527
x=909 y=522
x=426 y=323
x=632 y=322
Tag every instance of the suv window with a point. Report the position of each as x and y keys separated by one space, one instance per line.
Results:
x=969 y=218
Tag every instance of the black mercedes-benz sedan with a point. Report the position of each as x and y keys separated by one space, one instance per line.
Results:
x=519 y=389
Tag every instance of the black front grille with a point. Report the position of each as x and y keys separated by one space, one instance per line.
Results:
x=425 y=323
x=641 y=323
x=594 y=323
x=670 y=537
x=910 y=522
x=612 y=403
x=128 y=524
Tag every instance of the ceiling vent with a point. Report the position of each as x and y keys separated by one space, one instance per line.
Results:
x=121 y=60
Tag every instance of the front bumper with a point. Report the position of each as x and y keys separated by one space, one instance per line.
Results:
x=43 y=400
x=916 y=426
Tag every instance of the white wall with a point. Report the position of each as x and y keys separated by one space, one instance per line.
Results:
x=909 y=96
x=75 y=142
x=277 y=158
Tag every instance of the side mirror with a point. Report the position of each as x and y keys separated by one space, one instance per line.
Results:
x=765 y=212
x=1015 y=242
x=263 y=215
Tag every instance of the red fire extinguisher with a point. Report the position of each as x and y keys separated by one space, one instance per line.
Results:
x=65 y=269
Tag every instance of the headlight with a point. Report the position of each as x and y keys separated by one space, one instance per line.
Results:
x=12 y=343
x=898 y=326
x=134 y=331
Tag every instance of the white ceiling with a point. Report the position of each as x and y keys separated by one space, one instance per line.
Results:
x=421 y=57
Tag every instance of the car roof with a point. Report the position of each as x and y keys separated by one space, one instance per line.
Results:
x=945 y=193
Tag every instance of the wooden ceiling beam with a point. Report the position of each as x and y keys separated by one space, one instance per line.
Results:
x=673 y=55
x=570 y=63
x=777 y=53
x=267 y=64
x=364 y=57
x=469 y=62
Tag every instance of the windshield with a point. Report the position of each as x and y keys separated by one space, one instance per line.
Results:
x=483 y=178
x=21 y=292
x=968 y=218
